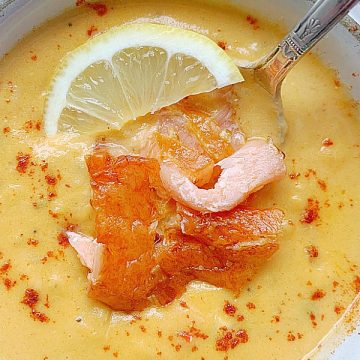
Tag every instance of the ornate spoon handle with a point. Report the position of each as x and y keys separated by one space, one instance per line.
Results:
x=325 y=14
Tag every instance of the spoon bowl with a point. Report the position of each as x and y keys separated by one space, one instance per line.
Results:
x=270 y=71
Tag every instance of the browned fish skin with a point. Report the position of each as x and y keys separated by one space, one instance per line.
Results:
x=183 y=259
x=230 y=227
x=126 y=202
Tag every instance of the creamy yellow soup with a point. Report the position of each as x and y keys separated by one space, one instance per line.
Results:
x=44 y=186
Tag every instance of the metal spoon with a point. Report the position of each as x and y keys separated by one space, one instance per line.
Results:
x=270 y=71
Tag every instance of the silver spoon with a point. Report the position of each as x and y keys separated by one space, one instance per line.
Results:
x=270 y=71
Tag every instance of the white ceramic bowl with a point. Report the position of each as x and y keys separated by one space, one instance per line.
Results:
x=340 y=49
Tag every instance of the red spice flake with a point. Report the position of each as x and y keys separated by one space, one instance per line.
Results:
x=300 y=336
x=159 y=333
x=5 y=268
x=327 y=142
x=338 y=309
x=312 y=319
x=294 y=175
x=63 y=239
x=177 y=347
x=312 y=251
x=275 y=319
x=91 y=30
x=194 y=348
x=73 y=227
x=101 y=9
x=356 y=284
x=322 y=184
x=32 y=242
x=193 y=332
x=53 y=254
x=291 y=336
x=337 y=83
x=353 y=28
x=53 y=214
x=23 y=161
x=335 y=284
x=142 y=328
x=229 y=309
x=252 y=21
x=9 y=283
x=185 y=335
x=44 y=165
x=310 y=172
x=250 y=305
x=37 y=315
x=52 y=195
x=28 y=125
x=6 y=130
x=47 y=304
x=318 y=294
x=222 y=44
x=24 y=277
x=230 y=339
x=311 y=213
x=30 y=298
x=10 y=86
x=51 y=180
x=34 y=57
x=38 y=125
x=240 y=318
x=106 y=348
x=184 y=304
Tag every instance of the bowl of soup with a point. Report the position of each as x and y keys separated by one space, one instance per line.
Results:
x=302 y=302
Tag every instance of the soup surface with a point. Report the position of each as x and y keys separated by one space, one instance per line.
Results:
x=44 y=187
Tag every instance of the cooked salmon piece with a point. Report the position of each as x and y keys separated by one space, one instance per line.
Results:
x=183 y=258
x=219 y=105
x=254 y=165
x=90 y=253
x=197 y=165
x=127 y=199
x=196 y=133
x=148 y=248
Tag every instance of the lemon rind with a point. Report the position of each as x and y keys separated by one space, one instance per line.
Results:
x=104 y=46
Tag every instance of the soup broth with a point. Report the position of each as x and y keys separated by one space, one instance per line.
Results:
x=44 y=188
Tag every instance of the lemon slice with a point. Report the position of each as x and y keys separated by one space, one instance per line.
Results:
x=132 y=70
